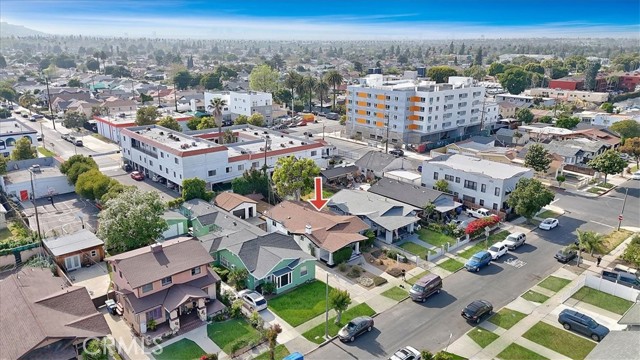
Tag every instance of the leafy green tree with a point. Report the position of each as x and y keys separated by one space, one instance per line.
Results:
x=96 y=350
x=196 y=189
x=441 y=74
x=534 y=68
x=291 y=81
x=560 y=179
x=206 y=122
x=93 y=65
x=182 y=79
x=252 y=181
x=74 y=119
x=131 y=220
x=441 y=185
x=627 y=128
x=238 y=278
x=23 y=150
x=426 y=355
x=514 y=80
x=632 y=252
x=256 y=119
x=524 y=115
x=93 y=184
x=263 y=78
x=211 y=81
x=293 y=177
x=170 y=123
x=545 y=119
x=477 y=61
x=117 y=71
x=608 y=163
x=74 y=83
x=241 y=120
x=334 y=79
x=496 y=68
x=7 y=93
x=339 y=300
x=147 y=115
x=567 y=122
x=529 y=196
x=272 y=337
x=590 y=74
x=27 y=100
x=144 y=98
x=631 y=147
x=608 y=107
x=115 y=189
x=476 y=71
x=3 y=164
x=322 y=91
x=4 y=113
x=192 y=124
x=76 y=165
x=537 y=158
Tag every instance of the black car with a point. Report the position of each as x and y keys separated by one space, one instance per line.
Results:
x=565 y=255
x=475 y=311
x=396 y=152
x=355 y=327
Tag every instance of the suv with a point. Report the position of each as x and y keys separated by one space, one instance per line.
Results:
x=515 y=240
x=480 y=259
x=622 y=278
x=476 y=310
x=396 y=152
x=425 y=287
x=497 y=250
x=573 y=320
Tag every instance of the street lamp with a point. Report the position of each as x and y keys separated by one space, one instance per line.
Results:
x=33 y=200
x=46 y=81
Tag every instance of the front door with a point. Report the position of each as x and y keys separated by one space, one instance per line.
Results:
x=72 y=262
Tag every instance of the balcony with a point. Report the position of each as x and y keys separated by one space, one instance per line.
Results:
x=145 y=151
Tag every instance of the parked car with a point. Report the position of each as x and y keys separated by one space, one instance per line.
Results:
x=39 y=137
x=480 y=259
x=515 y=240
x=548 y=224
x=428 y=285
x=396 y=152
x=622 y=278
x=64 y=136
x=355 y=327
x=497 y=250
x=480 y=213
x=333 y=116
x=253 y=299
x=635 y=175
x=301 y=123
x=406 y=353
x=583 y=324
x=38 y=116
x=475 y=311
x=566 y=254
x=137 y=175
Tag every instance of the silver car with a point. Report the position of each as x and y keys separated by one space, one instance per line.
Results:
x=252 y=298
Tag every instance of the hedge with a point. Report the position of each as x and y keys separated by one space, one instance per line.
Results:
x=342 y=255
x=476 y=227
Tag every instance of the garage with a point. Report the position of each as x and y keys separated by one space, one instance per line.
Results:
x=72 y=262
x=174 y=230
x=176 y=224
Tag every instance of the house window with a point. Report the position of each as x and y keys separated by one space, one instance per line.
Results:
x=166 y=281
x=154 y=314
x=435 y=176
x=94 y=253
x=495 y=206
x=283 y=280
x=212 y=173
x=273 y=222
x=228 y=169
x=470 y=185
x=160 y=167
x=303 y=271
x=457 y=179
x=448 y=177
x=195 y=271
x=255 y=164
x=314 y=153
x=481 y=202
x=483 y=188
x=497 y=192
x=151 y=162
x=240 y=167
x=176 y=160
x=146 y=288
x=161 y=154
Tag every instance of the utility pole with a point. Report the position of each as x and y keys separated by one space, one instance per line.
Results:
x=386 y=143
x=158 y=87
x=175 y=96
x=44 y=143
x=482 y=115
x=35 y=206
x=46 y=81
x=622 y=212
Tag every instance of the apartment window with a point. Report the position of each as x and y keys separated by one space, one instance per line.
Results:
x=314 y=153
x=240 y=167
x=211 y=173
x=151 y=162
x=160 y=167
x=195 y=271
x=458 y=179
x=146 y=288
x=481 y=202
x=470 y=185
x=161 y=154
x=496 y=192
x=303 y=271
x=483 y=188
x=174 y=174
x=154 y=314
x=495 y=206
x=175 y=160
x=435 y=176
x=166 y=170
x=228 y=169
x=94 y=253
x=166 y=281
x=448 y=177
x=468 y=198
x=255 y=164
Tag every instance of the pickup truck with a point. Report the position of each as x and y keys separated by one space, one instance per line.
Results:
x=480 y=213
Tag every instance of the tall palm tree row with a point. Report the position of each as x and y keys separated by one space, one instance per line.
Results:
x=27 y=100
x=309 y=84
x=292 y=81
x=322 y=90
x=216 y=105
x=334 y=79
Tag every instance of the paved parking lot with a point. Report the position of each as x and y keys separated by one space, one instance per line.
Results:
x=67 y=215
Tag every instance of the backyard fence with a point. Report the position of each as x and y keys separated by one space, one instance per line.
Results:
x=609 y=287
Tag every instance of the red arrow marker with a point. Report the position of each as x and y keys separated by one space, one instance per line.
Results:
x=318 y=202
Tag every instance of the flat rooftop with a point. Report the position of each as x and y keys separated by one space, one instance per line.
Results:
x=251 y=141
x=174 y=139
x=22 y=175
x=130 y=117
x=10 y=127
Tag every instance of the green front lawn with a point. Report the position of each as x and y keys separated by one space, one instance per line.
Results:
x=454 y=356
x=226 y=333
x=396 y=293
x=436 y=239
x=482 y=244
x=181 y=349
x=417 y=277
x=603 y=300
x=316 y=334
x=325 y=195
x=607 y=185
x=506 y=318
x=451 y=265
x=5 y=234
x=535 y=296
x=482 y=337
x=554 y=283
x=559 y=340
x=416 y=249
x=280 y=352
x=548 y=214
x=515 y=351
x=46 y=152
x=302 y=304
x=595 y=190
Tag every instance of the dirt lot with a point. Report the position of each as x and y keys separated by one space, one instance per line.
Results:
x=378 y=259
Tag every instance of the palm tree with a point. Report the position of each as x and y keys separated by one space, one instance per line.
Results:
x=322 y=90
x=309 y=84
x=216 y=106
x=291 y=81
x=334 y=79
x=590 y=241
x=228 y=136
x=27 y=100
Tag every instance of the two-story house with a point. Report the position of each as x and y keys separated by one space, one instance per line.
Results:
x=165 y=283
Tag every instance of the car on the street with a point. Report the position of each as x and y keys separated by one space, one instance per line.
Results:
x=406 y=353
x=64 y=137
x=566 y=254
x=355 y=327
x=497 y=250
x=39 y=137
x=478 y=260
x=548 y=224
x=635 y=175
x=475 y=311
x=480 y=213
x=253 y=299
x=583 y=324
x=396 y=152
x=137 y=175
x=621 y=277
x=515 y=240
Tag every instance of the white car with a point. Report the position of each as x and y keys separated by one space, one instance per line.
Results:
x=498 y=249
x=406 y=353
x=548 y=224
x=635 y=175
x=252 y=298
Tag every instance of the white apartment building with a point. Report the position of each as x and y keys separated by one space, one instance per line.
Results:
x=163 y=154
x=243 y=103
x=110 y=125
x=603 y=118
x=476 y=181
x=524 y=100
x=414 y=111
x=570 y=95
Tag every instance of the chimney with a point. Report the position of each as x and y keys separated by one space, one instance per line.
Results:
x=155 y=248
x=307 y=229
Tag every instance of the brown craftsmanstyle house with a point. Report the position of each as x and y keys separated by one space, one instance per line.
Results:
x=42 y=317
x=169 y=282
x=73 y=251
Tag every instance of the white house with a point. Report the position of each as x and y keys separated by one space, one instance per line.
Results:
x=242 y=103
x=476 y=181
x=240 y=206
x=11 y=131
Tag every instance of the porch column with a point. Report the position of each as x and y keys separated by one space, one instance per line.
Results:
x=358 y=248
x=202 y=310
x=412 y=227
x=174 y=321
x=330 y=262
x=389 y=236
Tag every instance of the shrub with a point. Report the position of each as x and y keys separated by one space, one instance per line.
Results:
x=355 y=271
x=379 y=280
x=342 y=255
x=269 y=287
x=395 y=272
x=632 y=252
x=225 y=298
x=477 y=226
x=435 y=227
x=235 y=311
x=175 y=203
x=342 y=267
x=222 y=272
x=256 y=320
x=391 y=254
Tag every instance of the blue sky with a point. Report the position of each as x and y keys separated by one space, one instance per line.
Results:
x=328 y=19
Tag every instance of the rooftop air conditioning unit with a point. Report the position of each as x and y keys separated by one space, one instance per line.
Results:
x=264 y=132
x=255 y=133
x=193 y=143
x=281 y=136
x=161 y=132
x=291 y=142
x=283 y=145
x=303 y=143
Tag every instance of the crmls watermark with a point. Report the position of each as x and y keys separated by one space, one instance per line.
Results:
x=127 y=345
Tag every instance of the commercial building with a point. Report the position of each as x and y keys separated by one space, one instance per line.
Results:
x=570 y=95
x=242 y=103
x=11 y=131
x=40 y=175
x=166 y=155
x=413 y=111
x=478 y=182
x=524 y=100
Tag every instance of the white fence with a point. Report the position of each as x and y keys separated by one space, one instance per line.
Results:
x=609 y=287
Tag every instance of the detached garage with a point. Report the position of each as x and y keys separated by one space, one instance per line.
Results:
x=73 y=251
x=177 y=224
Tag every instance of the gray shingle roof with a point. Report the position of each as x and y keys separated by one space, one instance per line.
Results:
x=476 y=165
x=338 y=171
x=413 y=195
x=81 y=240
x=375 y=161
x=388 y=213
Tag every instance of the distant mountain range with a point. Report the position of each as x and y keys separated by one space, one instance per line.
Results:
x=7 y=30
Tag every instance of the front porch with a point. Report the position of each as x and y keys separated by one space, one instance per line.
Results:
x=392 y=236
x=327 y=256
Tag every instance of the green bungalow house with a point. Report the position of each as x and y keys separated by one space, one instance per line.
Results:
x=201 y=216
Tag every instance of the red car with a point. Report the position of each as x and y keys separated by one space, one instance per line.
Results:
x=136 y=175
x=302 y=123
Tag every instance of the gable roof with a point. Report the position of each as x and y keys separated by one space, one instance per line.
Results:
x=81 y=240
x=39 y=307
x=337 y=172
x=413 y=195
x=229 y=201
x=476 y=165
x=198 y=207
x=328 y=230
x=375 y=160
x=152 y=263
